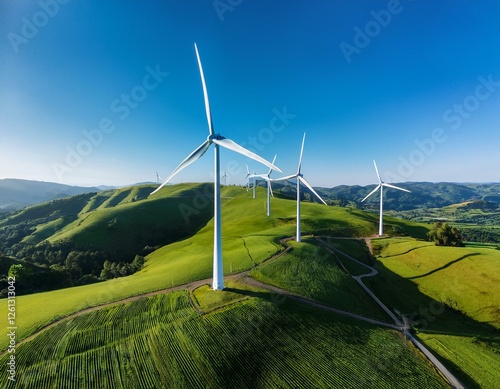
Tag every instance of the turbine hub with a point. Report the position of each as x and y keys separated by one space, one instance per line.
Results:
x=215 y=136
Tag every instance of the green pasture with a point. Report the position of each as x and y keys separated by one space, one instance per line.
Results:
x=451 y=294
x=249 y=237
x=310 y=270
x=162 y=342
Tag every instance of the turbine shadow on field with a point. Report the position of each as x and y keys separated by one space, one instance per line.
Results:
x=428 y=315
x=445 y=266
x=403 y=253
x=249 y=293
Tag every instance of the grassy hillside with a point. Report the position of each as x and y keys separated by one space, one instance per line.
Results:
x=309 y=270
x=451 y=296
x=163 y=342
x=249 y=237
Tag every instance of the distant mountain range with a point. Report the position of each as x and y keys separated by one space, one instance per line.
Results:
x=422 y=194
x=17 y=193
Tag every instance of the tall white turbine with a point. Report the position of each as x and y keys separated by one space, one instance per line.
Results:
x=267 y=178
x=300 y=179
x=218 y=140
x=380 y=186
x=224 y=177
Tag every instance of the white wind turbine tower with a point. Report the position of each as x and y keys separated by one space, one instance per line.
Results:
x=267 y=178
x=158 y=178
x=218 y=140
x=300 y=179
x=252 y=176
x=380 y=186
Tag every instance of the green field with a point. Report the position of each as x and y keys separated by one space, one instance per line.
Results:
x=310 y=270
x=451 y=297
x=163 y=342
x=248 y=239
x=244 y=335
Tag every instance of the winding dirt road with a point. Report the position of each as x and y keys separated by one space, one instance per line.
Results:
x=244 y=276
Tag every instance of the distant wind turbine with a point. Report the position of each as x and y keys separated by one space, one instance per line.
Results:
x=380 y=186
x=158 y=178
x=267 y=178
x=224 y=177
x=252 y=176
x=300 y=179
x=218 y=140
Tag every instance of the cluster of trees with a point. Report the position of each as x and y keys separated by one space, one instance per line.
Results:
x=481 y=234
x=47 y=266
x=120 y=269
x=442 y=234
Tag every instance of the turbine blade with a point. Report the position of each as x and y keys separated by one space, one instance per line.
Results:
x=304 y=181
x=376 y=169
x=301 y=152
x=284 y=178
x=270 y=187
x=270 y=170
x=187 y=161
x=260 y=176
x=205 y=93
x=231 y=145
x=395 y=187
x=372 y=192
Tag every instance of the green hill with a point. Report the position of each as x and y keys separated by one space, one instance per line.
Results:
x=171 y=339
x=163 y=342
x=249 y=237
x=451 y=296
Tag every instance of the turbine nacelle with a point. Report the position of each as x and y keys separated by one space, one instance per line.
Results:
x=381 y=185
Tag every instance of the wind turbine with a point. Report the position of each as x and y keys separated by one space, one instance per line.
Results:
x=252 y=176
x=158 y=178
x=218 y=141
x=380 y=186
x=267 y=178
x=225 y=178
x=300 y=179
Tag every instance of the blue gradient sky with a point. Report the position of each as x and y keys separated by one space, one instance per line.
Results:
x=420 y=73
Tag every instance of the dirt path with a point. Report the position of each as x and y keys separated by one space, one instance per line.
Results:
x=244 y=276
x=403 y=327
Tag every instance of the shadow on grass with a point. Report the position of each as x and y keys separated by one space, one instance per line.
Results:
x=250 y=293
x=428 y=315
x=405 y=252
x=445 y=266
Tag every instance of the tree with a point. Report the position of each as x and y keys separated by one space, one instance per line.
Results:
x=20 y=272
x=442 y=234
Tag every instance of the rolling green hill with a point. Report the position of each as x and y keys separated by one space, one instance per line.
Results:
x=162 y=342
x=249 y=237
x=170 y=339
x=450 y=295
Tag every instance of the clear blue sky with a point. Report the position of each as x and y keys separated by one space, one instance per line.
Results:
x=365 y=79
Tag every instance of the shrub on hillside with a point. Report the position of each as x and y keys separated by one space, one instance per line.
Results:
x=442 y=234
